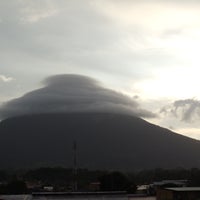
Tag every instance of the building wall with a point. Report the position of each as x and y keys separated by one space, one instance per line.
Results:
x=162 y=194
x=187 y=195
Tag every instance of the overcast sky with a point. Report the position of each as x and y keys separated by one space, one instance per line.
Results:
x=144 y=50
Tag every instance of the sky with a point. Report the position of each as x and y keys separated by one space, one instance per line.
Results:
x=138 y=56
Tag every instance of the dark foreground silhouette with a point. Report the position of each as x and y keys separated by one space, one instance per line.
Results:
x=104 y=141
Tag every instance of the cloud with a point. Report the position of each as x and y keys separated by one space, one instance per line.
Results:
x=188 y=110
x=122 y=43
x=78 y=36
x=35 y=11
x=5 y=78
x=72 y=93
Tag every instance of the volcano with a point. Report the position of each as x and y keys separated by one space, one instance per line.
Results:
x=104 y=141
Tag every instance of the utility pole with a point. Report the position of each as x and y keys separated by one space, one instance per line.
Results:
x=75 y=166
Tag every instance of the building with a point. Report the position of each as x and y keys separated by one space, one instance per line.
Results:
x=94 y=186
x=178 y=193
x=142 y=189
x=170 y=183
x=48 y=188
x=155 y=186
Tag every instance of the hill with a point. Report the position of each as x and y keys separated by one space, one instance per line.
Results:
x=104 y=141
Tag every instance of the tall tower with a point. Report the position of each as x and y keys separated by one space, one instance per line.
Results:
x=75 y=166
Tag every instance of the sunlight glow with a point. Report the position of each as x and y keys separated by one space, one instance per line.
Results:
x=178 y=83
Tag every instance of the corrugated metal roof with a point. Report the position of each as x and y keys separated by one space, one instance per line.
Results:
x=184 y=189
x=170 y=181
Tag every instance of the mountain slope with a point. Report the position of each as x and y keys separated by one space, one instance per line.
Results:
x=104 y=141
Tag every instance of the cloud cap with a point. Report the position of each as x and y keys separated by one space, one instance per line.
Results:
x=72 y=93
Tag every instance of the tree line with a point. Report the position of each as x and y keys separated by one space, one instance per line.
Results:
x=62 y=179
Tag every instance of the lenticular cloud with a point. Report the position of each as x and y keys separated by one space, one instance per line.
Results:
x=72 y=93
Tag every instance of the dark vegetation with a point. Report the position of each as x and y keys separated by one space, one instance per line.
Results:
x=62 y=179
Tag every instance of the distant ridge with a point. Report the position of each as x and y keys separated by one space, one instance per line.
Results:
x=104 y=141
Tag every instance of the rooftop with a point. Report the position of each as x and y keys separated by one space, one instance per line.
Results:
x=184 y=189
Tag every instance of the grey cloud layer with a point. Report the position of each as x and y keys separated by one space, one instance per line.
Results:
x=79 y=37
x=187 y=110
x=72 y=93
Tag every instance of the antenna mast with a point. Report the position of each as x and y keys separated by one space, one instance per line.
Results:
x=75 y=165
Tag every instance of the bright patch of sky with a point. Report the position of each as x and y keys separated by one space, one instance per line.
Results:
x=146 y=49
